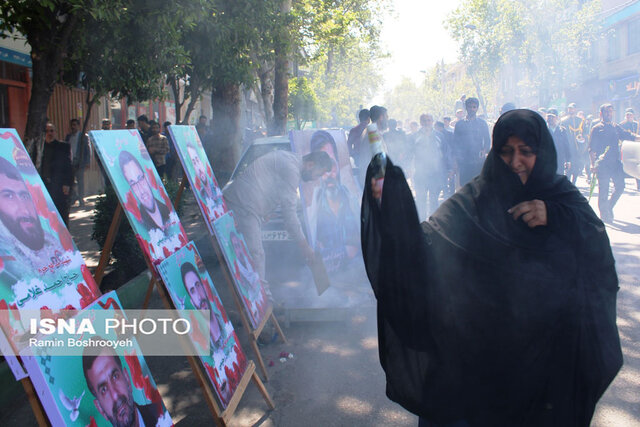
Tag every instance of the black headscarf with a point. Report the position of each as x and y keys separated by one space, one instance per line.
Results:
x=483 y=319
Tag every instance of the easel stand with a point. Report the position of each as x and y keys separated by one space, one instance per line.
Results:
x=253 y=333
x=221 y=417
x=105 y=255
x=36 y=406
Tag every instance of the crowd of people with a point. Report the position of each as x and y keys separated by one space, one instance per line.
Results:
x=440 y=155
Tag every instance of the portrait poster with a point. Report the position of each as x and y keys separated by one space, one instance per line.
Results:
x=142 y=195
x=191 y=287
x=199 y=173
x=40 y=266
x=109 y=389
x=332 y=203
x=245 y=278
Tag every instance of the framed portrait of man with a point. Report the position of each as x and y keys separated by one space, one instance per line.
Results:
x=332 y=203
x=245 y=278
x=103 y=387
x=141 y=192
x=199 y=173
x=40 y=266
x=191 y=288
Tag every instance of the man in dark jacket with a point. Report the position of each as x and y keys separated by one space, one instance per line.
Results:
x=56 y=171
x=80 y=156
x=560 y=140
x=604 y=148
x=471 y=142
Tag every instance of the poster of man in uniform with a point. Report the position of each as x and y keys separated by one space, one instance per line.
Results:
x=107 y=389
x=331 y=204
x=40 y=266
x=141 y=192
x=191 y=287
x=245 y=278
x=199 y=173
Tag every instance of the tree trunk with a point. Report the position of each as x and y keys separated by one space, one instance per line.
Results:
x=266 y=94
x=224 y=149
x=174 y=82
x=281 y=81
x=280 y=94
x=48 y=50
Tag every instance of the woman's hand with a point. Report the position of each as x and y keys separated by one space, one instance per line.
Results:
x=533 y=212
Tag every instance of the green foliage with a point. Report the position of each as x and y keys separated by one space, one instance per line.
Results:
x=339 y=47
x=303 y=103
x=128 y=56
x=126 y=253
x=550 y=39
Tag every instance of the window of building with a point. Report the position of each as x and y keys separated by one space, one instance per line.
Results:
x=634 y=36
x=613 y=46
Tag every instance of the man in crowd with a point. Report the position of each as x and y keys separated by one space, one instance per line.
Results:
x=397 y=145
x=460 y=103
x=202 y=128
x=560 y=140
x=110 y=384
x=429 y=167
x=471 y=142
x=131 y=124
x=577 y=144
x=143 y=127
x=81 y=156
x=106 y=124
x=154 y=214
x=604 y=148
x=56 y=171
x=445 y=134
x=358 y=143
x=158 y=147
x=632 y=126
x=269 y=182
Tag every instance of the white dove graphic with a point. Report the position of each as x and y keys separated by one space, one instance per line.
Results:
x=71 y=404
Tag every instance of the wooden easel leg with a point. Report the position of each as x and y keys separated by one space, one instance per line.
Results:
x=195 y=367
x=253 y=340
x=208 y=394
x=147 y=295
x=277 y=325
x=263 y=390
x=253 y=333
x=108 y=245
x=36 y=406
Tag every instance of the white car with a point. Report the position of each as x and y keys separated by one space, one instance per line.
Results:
x=631 y=158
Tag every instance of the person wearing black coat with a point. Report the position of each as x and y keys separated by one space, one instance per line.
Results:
x=56 y=171
x=500 y=310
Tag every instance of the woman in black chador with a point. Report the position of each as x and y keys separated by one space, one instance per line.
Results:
x=500 y=310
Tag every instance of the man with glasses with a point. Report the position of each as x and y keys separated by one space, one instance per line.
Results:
x=604 y=148
x=56 y=171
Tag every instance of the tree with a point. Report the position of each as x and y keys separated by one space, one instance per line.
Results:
x=50 y=27
x=338 y=42
x=128 y=56
x=549 y=39
x=302 y=101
